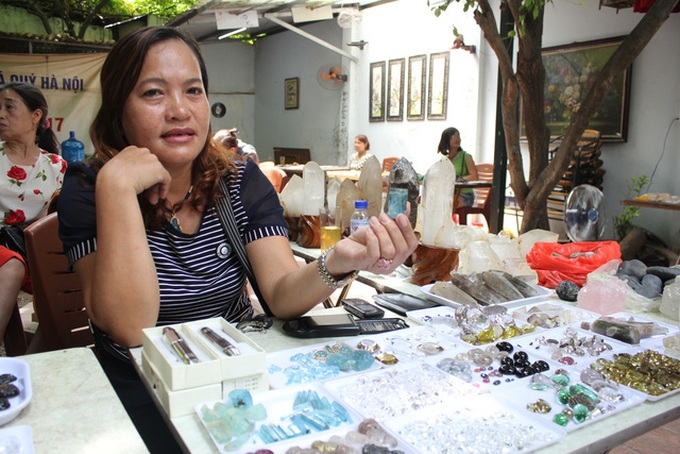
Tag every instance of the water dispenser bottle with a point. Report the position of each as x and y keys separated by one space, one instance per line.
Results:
x=72 y=150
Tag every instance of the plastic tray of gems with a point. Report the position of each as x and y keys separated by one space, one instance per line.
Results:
x=317 y=362
x=648 y=371
x=480 y=425
x=245 y=422
x=566 y=401
x=552 y=314
x=398 y=390
x=488 y=325
x=572 y=347
x=493 y=366
x=542 y=294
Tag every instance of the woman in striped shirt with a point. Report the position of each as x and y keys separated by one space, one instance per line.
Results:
x=140 y=226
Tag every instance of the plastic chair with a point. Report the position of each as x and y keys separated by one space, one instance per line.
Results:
x=482 y=197
x=57 y=292
x=388 y=163
x=15 y=337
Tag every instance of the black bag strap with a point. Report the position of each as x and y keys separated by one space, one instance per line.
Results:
x=226 y=214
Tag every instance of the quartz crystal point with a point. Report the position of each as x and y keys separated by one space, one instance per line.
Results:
x=344 y=204
x=437 y=200
x=332 y=189
x=314 y=180
x=370 y=185
x=404 y=176
x=293 y=197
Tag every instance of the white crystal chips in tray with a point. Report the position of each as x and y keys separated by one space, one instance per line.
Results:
x=398 y=390
x=481 y=425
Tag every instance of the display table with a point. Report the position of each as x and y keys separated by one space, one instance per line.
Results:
x=74 y=408
x=651 y=204
x=598 y=437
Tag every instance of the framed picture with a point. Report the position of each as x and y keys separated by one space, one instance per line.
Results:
x=292 y=93
x=395 y=89
x=570 y=71
x=415 y=97
x=376 y=95
x=438 y=89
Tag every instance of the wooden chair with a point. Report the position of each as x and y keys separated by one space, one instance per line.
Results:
x=483 y=200
x=388 y=163
x=57 y=292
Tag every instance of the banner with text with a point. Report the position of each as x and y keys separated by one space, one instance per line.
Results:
x=70 y=82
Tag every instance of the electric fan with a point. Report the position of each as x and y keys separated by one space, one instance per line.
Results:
x=585 y=214
x=331 y=77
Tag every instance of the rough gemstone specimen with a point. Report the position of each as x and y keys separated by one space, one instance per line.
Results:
x=314 y=183
x=567 y=290
x=370 y=185
x=403 y=179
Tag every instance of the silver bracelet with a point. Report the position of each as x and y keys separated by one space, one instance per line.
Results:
x=329 y=280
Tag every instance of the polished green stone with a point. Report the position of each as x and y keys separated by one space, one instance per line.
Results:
x=560 y=380
x=580 y=389
x=561 y=419
x=580 y=413
x=563 y=397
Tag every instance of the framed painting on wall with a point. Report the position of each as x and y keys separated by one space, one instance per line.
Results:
x=395 y=89
x=292 y=93
x=415 y=99
x=570 y=71
x=376 y=92
x=438 y=89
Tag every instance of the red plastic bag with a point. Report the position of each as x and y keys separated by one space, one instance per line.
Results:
x=555 y=262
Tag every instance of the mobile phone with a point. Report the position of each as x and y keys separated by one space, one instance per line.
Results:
x=380 y=325
x=362 y=309
x=311 y=326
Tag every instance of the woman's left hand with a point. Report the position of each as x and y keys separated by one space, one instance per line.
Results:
x=380 y=248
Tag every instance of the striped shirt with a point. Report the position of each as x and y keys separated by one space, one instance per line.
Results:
x=199 y=275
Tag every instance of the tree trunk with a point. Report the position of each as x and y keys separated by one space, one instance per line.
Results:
x=88 y=20
x=532 y=196
x=35 y=9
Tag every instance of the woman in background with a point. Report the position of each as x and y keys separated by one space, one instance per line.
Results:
x=31 y=171
x=466 y=170
x=361 y=155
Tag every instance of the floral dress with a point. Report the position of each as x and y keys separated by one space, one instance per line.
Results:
x=25 y=191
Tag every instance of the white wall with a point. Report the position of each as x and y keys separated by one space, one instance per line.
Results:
x=231 y=74
x=315 y=124
x=400 y=30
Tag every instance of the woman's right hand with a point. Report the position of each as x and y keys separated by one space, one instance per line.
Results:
x=139 y=169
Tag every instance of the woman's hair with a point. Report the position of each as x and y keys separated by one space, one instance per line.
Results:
x=444 y=142
x=35 y=100
x=119 y=76
x=362 y=138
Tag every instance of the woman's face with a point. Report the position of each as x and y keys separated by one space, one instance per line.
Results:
x=167 y=110
x=359 y=146
x=16 y=120
x=454 y=143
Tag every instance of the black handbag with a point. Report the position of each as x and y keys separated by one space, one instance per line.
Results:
x=12 y=237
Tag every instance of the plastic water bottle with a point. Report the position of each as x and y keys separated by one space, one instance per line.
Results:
x=359 y=217
x=72 y=150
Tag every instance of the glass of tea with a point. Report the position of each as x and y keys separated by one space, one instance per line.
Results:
x=330 y=233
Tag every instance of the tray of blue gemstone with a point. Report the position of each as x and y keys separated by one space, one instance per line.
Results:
x=314 y=363
x=245 y=422
x=570 y=399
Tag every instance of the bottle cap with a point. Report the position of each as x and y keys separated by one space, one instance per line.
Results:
x=361 y=204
